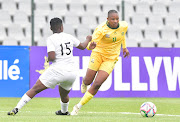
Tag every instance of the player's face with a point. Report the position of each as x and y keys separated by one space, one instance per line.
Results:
x=113 y=20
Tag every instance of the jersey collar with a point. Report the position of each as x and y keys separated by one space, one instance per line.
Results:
x=110 y=27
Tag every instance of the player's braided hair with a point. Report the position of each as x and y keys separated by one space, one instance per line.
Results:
x=55 y=23
x=111 y=11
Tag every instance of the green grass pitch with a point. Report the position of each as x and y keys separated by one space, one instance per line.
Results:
x=97 y=110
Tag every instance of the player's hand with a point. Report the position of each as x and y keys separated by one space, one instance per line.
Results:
x=125 y=52
x=89 y=38
x=92 y=45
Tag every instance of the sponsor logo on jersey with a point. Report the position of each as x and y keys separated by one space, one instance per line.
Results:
x=107 y=36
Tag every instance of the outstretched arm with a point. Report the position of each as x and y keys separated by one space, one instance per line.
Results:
x=84 y=44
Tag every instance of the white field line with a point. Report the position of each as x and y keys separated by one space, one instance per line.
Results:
x=132 y=113
x=127 y=113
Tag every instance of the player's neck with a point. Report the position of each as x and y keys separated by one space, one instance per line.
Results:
x=57 y=32
x=107 y=23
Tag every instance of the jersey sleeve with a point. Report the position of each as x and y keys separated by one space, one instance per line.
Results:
x=50 y=45
x=97 y=35
x=124 y=37
x=124 y=42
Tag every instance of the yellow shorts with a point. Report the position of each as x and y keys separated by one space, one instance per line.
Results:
x=99 y=62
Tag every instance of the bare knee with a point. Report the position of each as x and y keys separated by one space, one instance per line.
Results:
x=38 y=88
x=90 y=75
x=87 y=81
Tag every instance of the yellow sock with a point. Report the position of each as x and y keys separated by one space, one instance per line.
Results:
x=86 y=98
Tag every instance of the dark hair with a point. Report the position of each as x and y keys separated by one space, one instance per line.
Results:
x=55 y=23
x=112 y=11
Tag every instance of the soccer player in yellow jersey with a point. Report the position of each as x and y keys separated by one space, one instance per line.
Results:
x=107 y=38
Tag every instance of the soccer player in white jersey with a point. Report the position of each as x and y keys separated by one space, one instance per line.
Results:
x=61 y=72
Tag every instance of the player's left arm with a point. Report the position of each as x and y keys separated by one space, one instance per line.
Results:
x=125 y=50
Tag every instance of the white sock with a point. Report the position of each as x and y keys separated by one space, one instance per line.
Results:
x=79 y=105
x=64 y=107
x=25 y=99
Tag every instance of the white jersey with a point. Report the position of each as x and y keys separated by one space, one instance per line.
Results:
x=62 y=44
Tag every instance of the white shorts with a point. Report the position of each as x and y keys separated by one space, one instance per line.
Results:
x=50 y=78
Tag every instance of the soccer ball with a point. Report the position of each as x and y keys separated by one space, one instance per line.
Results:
x=148 y=109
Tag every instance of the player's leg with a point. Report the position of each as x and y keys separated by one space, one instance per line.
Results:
x=64 y=102
x=68 y=78
x=38 y=87
x=105 y=69
x=88 y=79
x=46 y=80
x=99 y=80
x=94 y=64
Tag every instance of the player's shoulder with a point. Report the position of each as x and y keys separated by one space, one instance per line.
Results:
x=123 y=24
x=66 y=34
x=50 y=37
x=62 y=34
x=102 y=25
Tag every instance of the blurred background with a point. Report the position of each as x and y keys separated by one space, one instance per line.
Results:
x=152 y=23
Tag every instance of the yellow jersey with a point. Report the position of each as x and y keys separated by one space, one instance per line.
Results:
x=108 y=40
